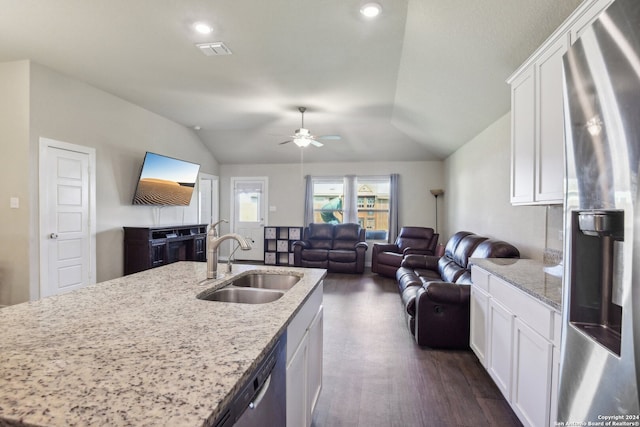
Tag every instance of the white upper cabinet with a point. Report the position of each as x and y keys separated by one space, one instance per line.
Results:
x=522 y=137
x=537 y=130
x=549 y=141
x=537 y=121
x=588 y=15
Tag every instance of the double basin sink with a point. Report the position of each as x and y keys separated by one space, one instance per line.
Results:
x=253 y=288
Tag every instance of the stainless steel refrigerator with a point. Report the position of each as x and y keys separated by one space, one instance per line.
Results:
x=600 y=354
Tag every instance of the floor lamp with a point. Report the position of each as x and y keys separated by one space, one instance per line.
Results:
x=436 y=193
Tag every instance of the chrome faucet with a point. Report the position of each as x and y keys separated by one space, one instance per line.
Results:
x=213 y=243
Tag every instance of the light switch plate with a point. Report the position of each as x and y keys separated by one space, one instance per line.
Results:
x=14 y=202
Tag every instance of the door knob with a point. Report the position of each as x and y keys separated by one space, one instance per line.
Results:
x=53 y=236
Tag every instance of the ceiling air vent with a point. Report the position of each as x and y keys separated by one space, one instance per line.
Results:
x=214 y=49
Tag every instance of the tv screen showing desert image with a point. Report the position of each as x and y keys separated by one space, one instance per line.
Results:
x=165 y=181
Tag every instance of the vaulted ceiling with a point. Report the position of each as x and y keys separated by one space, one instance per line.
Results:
x=415 y=83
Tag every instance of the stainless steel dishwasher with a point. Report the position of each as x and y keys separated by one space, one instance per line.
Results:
x=262 y=400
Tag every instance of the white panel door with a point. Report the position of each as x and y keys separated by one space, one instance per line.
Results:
x=208 y=199
x=249 y=200
x=67 y=247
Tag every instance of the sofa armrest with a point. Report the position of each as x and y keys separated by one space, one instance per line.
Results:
x=412 y=251
x=447 y=293
x=362 y=245
x=385 y=247
x=425 y=262
x=303 y=244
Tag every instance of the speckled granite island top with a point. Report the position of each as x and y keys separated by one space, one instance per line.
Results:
x=526 y=274
x=140 y=350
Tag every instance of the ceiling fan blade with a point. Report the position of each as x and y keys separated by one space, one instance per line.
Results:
x=316 y=143
x=285 y=142
x=329 y=137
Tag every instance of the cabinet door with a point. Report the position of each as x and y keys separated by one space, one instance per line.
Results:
x=532 y=366
x=479 y=318
x=314 y=363
x=297 y=386
x=522 y=137
x=549 y=174
x=158 y=254
x=500 y=346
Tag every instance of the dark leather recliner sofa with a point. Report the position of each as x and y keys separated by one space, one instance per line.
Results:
x=436 y=292
x=339 y=248
x=386 y=258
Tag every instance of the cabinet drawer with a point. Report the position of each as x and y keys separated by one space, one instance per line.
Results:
x=538 y=316
x=480 y=278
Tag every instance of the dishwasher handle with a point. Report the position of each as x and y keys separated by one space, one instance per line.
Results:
x=254 y=404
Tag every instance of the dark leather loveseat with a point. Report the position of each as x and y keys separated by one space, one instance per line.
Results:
x=339 y=248
x=435 y=290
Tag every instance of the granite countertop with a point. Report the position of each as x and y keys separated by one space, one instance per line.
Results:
x=529 y=275
x=137 y=350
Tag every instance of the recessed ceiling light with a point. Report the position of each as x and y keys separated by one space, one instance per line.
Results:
x=202 y=28
x=371 y=10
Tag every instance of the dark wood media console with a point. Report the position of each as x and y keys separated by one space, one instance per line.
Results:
x=149 y=247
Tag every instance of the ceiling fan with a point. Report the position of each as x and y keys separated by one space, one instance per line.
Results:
x=303 y=138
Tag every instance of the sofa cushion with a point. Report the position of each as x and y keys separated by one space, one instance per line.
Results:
x=320 y=236
x=465 y=248
x=491 y=248
x=346 y=236
x=315 y=254
x=427 y=274
x=418 y=238
x=342 y=256
x=453 y=242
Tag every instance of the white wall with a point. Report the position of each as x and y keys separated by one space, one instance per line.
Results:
x=286 y=187
x=477 y=193
x=14 y=182
x=64 y=109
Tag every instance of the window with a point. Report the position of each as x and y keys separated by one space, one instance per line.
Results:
x=328 y=197
x=375 y=192
x=372 y=203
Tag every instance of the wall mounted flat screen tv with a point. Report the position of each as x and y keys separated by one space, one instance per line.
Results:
x=165 y=181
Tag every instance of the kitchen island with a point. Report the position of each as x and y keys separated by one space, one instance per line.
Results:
x=138 y=350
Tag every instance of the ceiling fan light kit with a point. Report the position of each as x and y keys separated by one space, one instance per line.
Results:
x=303 y=137
x=371 y=10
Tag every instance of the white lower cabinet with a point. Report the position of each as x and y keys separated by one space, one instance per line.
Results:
x=478 y=334
x=500 y=346
x=304 y=361
x=531 y=382
x=516 y=338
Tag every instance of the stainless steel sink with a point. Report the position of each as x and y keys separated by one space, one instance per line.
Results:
x=242 y=295
x=280 y=282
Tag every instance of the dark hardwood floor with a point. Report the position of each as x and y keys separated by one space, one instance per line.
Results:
x=376 y=375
